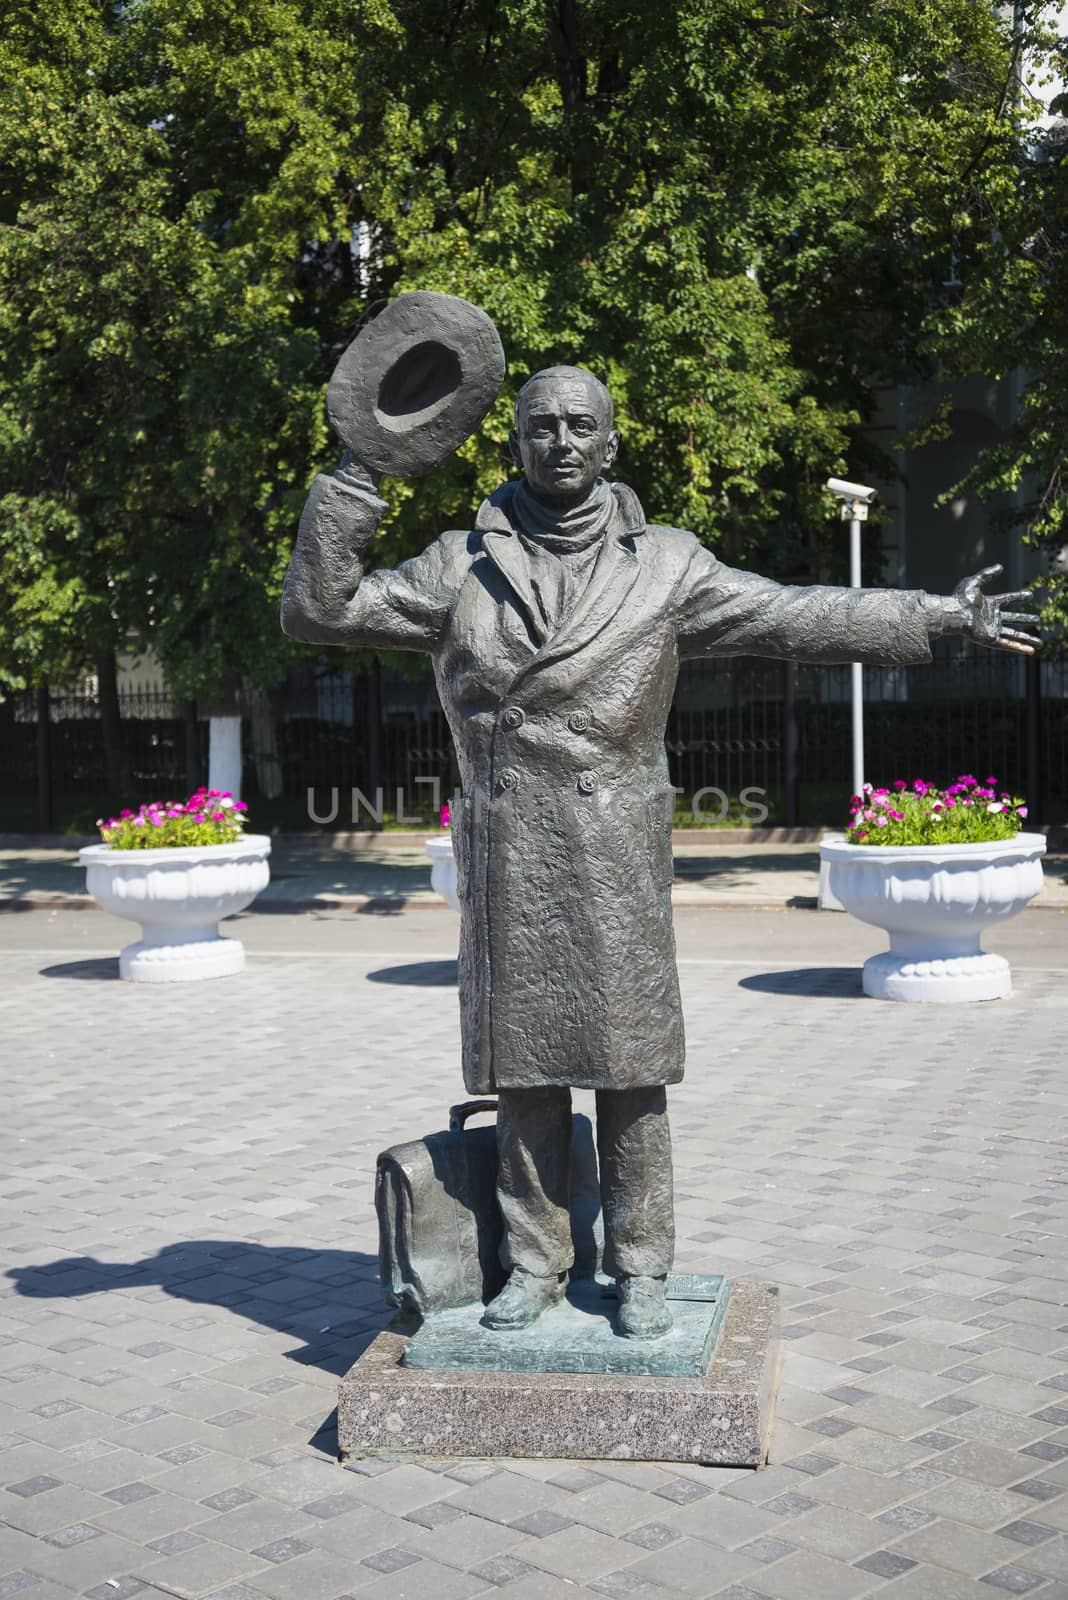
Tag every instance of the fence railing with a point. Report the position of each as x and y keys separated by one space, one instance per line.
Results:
x=736 y=724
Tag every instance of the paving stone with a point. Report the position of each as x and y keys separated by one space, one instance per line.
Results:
x=652 y=1536
x=693 y=1569
x=501 y=1570
x=539 y=1524
x=1013 y=1580
x=765 y=1550
x=230 y=1499
x=390 y=1561
x=574 y=1479
x=885 y=1564
x=440 y=1513
x=282 y=1550
x=203 y=1570
x=117 y=1589
x=175 y=1544
x=335 y=1505
x=129 y=1493
x=805 y=1574
x=77 y=1533
x=215 y=1259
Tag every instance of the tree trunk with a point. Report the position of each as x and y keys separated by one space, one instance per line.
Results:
x=116 y=761
x=224 y=741
x=367 y=711
x=192 y=745
x=791 y=745
x=44 y=761
x=1036 y=800
x=264 y=727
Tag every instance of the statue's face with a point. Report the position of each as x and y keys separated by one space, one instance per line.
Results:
x=564 y=437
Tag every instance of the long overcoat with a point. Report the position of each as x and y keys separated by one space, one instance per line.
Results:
x=562 y=835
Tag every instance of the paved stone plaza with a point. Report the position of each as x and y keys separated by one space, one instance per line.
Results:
x=187 y=1265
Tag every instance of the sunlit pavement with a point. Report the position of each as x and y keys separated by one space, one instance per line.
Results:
x=188 y=1264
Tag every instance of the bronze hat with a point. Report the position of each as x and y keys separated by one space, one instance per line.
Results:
x=415 y=383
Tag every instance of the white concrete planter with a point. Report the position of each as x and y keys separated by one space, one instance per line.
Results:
x=935 y=902
x=179 y=897
x=443 y=870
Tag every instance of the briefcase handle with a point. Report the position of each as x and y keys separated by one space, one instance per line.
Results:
x=458 y=1115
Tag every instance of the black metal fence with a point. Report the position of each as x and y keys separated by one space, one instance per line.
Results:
x=737 y=725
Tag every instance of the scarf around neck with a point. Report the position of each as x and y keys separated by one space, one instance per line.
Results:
x=561 y=544
x=610 y=507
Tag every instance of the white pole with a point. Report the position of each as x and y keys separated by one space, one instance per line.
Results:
x=857 y=669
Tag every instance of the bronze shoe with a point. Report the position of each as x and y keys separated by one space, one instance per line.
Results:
x=643 y=1312
x=522 y=1300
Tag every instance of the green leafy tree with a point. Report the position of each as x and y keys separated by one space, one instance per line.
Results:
x=742 y=213
x=1010 y=321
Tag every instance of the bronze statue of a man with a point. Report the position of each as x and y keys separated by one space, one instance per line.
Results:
x=556 y=627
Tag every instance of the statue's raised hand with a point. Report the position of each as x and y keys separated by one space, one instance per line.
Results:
x=982 y=617
x=354 y=475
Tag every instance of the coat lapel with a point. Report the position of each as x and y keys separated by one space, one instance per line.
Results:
x=509 y=557
x=614 y=574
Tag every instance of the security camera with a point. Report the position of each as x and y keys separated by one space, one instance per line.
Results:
x=851 y=491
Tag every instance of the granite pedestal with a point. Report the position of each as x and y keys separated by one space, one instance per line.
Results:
x=388 y=1410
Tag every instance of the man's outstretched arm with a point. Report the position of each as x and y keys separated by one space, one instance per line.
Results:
x=328 y=600
x=724 y=611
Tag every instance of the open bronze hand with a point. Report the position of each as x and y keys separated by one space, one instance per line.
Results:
x=981 y=616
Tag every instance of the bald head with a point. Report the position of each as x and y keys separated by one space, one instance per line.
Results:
x=563 y=437
x=577 y=377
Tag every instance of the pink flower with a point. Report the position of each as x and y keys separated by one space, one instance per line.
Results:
x=446 y=815
x=1021 y=811
x=881 y=822
x=919 y=787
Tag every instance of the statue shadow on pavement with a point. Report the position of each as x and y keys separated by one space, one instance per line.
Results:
x=817 y=983
x=418 y=974
x=330 y=1301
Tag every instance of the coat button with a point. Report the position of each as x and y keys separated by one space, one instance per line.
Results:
x=513 y=717
x=578 y=721
x=509 y=779
x=587 y=782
